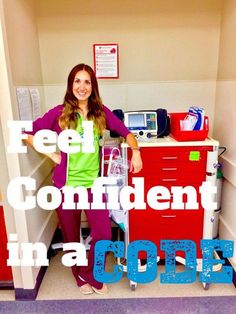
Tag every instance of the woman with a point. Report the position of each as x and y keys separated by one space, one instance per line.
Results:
x=82 y=102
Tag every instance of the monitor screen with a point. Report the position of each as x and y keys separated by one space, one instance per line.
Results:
x=151 y=121
x=141 y=121
x=136 y=120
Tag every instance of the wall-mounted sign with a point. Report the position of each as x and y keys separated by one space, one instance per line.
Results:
x=106 y=61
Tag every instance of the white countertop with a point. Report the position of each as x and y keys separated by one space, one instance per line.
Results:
x=170 y=141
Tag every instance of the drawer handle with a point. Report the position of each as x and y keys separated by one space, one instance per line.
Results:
x=170 y=157
x=169 y=180
x=168 y=216
x=167 y=169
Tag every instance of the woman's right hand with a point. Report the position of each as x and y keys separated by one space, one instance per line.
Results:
x=55 y=157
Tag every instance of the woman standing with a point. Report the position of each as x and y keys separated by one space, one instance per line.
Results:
x=82 y=102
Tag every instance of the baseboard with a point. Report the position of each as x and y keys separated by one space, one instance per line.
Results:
x=6 y=285
x=31 y=294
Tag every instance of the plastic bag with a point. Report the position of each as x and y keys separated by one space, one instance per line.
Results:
x=118 y=168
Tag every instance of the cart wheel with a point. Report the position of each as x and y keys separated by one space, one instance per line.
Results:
x=133 y=285
x=206 y=285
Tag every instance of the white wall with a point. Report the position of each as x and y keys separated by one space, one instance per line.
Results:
x=168 y=50
x=159 y=40
x=225 y=119
x=23 y=42
x=174 y=96
x=22 y=67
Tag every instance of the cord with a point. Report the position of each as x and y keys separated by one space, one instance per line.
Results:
x=223 y=150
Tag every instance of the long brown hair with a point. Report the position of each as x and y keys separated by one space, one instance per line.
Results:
x=69 y=116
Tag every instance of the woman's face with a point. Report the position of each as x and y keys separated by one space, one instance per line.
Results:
x=82 y=86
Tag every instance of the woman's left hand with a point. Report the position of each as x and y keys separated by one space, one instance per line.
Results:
x=136 y=162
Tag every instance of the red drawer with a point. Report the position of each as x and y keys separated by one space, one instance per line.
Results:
x=172 y=156
x=172 y=177
x=168 y=167
x=180 y=165
x=5 y=271
x=156 y=225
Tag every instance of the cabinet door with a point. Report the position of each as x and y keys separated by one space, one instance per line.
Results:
x=5 y=271
x=168 y=167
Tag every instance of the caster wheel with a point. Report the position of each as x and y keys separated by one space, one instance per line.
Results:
x=133 y=286
x=206 y=285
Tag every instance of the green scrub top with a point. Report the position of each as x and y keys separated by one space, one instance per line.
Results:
x=83 y=168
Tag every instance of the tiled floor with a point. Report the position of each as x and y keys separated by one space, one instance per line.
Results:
x=59 y=283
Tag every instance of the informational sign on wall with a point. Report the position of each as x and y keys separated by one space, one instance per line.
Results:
x=24 y=103
x=106 y=61
x=28 y=102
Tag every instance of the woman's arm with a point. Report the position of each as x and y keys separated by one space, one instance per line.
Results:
x=56 y=157
x=136 y=160
x=116 y=125
x=48 y=121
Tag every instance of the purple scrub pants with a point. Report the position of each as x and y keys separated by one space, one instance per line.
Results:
x=100 y=229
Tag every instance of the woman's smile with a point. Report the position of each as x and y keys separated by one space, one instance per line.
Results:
x=82 y=87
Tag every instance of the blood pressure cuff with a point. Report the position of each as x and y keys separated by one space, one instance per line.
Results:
x=163 y=122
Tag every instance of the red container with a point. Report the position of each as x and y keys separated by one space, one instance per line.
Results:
x=179 y=135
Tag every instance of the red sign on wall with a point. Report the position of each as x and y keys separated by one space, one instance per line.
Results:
x=106 y=61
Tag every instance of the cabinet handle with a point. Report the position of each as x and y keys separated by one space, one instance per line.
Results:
x=169 y=180
x=167 y=169
x=170 y=157
x=168 y=216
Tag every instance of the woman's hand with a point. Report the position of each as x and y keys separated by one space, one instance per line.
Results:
x=55 y=157
x=136 y=162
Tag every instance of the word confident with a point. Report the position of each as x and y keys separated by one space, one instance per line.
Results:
x=126 y=197
x=77 y=256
